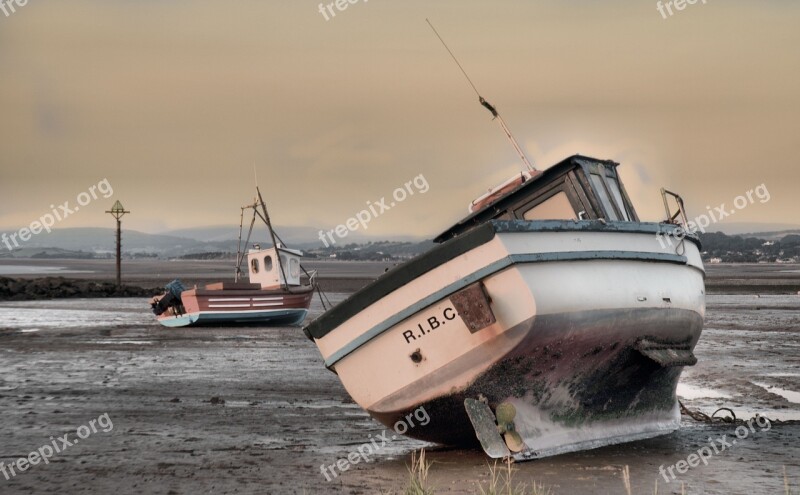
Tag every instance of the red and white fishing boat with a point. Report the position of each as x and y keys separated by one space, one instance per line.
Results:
x=274 y=295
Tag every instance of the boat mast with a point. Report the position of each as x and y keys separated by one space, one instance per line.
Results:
x=285 y=283
x=487 y=105
x=240 y=254
x=238 y=272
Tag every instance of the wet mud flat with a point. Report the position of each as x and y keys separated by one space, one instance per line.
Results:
x=753 y=278
x=333 y=275
x=252 y=410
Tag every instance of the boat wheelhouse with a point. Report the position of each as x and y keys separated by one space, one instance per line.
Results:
x=578 y=188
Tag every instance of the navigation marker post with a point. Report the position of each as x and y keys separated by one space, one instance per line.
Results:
x=118 y=211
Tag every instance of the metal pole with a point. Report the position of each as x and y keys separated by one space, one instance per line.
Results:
x=119 y=253
x=118 y=211
x=272 y=236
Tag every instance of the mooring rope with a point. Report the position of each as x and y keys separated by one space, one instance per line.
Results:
x=732 y=419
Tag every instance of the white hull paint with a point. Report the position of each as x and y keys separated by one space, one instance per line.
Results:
x=545 y=287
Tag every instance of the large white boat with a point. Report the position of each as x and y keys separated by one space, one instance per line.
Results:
x=549 y=320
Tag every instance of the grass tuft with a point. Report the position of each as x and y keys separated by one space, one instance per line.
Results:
x=501 y=483
x=418 y=484
x=501 y=480
x=786 y=486
x=626 y=479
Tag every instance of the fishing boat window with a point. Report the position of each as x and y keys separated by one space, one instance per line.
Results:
x=267 y=263
x=617 y=193
x=602 y=193
x=254 y=265
x=556 y=207
x=294 y=268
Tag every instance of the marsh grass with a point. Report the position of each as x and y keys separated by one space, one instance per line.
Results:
x=418 y=473
x=626 y=479
x=786 y=486
x=501 y=480
x=501 y=483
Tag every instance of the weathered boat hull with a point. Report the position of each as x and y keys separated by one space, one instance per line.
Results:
x=244 y=318
x=580 y=318
x=577 y=381
x=239 y=307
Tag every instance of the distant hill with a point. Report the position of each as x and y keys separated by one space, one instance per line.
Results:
x=47 y=252
x=754 y=229
x=293 y=236
x=773 y=236
x=744 y=249
x=100 y=242
x=77 y=243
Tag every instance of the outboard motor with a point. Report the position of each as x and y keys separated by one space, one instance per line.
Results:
x=170 y=299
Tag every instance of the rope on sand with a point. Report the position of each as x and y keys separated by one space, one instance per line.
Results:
x=732 y=419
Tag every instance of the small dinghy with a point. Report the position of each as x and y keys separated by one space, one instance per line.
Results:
x=275 y=294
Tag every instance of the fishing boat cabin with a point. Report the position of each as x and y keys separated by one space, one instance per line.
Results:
x=265 y=270
x=578 y=188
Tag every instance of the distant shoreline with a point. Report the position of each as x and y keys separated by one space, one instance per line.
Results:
x=48 y=279
x=45 y=288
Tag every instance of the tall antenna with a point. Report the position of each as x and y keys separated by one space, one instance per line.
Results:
x=486 y=104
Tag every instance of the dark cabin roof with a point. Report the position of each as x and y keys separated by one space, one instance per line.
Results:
x=503 y=203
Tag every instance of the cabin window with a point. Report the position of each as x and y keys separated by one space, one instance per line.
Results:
x=602 y=194
x=267 y=263
x=254 y=265
x=556 y=207
x=294 y=268
x=617 y=193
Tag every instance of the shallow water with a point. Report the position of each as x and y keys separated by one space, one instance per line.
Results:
x=37 y=270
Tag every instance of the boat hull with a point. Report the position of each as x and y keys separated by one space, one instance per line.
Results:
x=236 y=318
x=577 y=381
x=215 y=307
x=575 y=309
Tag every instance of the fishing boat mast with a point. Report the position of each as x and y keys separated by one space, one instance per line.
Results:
x=487 y=105
x=239 y=251
x=258 y=202
x=266 y=219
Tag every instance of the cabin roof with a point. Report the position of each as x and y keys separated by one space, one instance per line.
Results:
x=491 y=210
x=281 y=249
